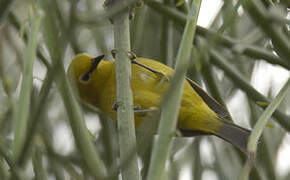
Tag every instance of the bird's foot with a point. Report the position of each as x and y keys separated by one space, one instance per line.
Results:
x=115 y=105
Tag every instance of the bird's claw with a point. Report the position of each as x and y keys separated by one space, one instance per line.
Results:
x=132 y=56
x=115 y=105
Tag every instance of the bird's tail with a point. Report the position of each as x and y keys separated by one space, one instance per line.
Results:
x=230 y=132
x=235 y=135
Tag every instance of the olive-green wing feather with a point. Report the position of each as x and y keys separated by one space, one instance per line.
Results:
x=212 y=104
x=230 y=132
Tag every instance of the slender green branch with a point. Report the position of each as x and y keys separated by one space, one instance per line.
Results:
x=9 y=159
x=167 y=39
x=114 y=11
x=3 y=170
x=258 y=129
x=56 y=46
x=207 y=74
x=240 y=82
x=64 y=161
x=248 y=50
x=43 y=93
x=126 y=126
x=259 y=14
x=171 y=101
x=265 y=154
x=5 y=7
x=266 y=157
x=38 y=168
x=78 y=126
x=197 y=168
x=180 y=18
x=259 y=53
x=14 y=21
x=246 y=171
x=57 y=161
x=262 y=121
x=22 y=107
x=138 y=33
x=36 y=116
x=168 y=11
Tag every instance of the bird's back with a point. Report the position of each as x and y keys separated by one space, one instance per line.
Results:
x=194 y=113
x=148 y=89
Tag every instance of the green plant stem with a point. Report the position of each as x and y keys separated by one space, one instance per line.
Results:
x=266 y=158
x=246 y=171
x=114 y=11
x=59 y=160
x=168 y=11
x=262 y=121
x=125 y=114
x=259 y=53
x=259 y=126
x=37 y=114
x=207 y=73
x=56 y=47
x=3 y=170
x=172 y=99
x=14 y=21
x=78 y=126
x=217 y=59
x=164 y=41
x=197 y=168
x=5 y=7
x=248 y=50
x=259 y=14
x=21 y=113
x=138 y=35
x=9 y=159
x=38 y=168
x=43 y=93
x=264 y=155
x=211 y=84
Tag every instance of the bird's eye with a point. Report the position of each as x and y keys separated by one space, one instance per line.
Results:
x=85 y=78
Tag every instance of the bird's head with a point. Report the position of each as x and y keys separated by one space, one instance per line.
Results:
x=81 y=72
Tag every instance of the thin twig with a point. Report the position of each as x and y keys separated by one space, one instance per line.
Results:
x=240 y=82
x=172 y=100
x=125 y=114
x=23 y=105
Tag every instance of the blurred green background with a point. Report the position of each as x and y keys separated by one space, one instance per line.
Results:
x=240 y=47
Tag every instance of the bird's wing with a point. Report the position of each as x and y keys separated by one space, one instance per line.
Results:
x=212 y=103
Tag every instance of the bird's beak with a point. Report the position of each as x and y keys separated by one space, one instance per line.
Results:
x=95 y=62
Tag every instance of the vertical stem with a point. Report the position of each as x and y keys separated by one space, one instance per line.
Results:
x=138 y=35
x=262 y=121
x=246 y=170
x=56 y=45
x=38 y=168
x=126 y=127
x=5 y=7
x=5 y=154
x=21 y=113
x=172 y=100
x=37 y=115
x=3 y=170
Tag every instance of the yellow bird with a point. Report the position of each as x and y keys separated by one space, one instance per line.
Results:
x=95 y=80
